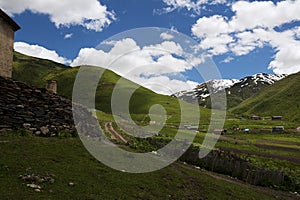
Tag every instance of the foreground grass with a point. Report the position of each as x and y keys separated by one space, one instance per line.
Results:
x=67 y=161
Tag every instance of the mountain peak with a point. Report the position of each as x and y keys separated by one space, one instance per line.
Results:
x=239 y=89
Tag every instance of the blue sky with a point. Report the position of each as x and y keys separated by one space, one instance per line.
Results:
x=242 y=37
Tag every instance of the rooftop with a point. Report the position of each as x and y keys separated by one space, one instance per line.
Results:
x=9 y=20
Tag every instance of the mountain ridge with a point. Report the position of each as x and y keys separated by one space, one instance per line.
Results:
x=236 y=90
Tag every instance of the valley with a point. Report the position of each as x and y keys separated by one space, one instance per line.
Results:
x=266 y=163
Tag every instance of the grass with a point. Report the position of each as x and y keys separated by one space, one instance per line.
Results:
x=67 y=161
x=34 y=71
x=71 y=163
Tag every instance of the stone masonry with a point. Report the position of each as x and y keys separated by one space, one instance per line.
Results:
x=38 y=110
x=51 y=86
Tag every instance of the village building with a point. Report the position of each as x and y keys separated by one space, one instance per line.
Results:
x=51 y=86
x=278 y=129
x=276 y=117
x=255 y=117
x=8 y=27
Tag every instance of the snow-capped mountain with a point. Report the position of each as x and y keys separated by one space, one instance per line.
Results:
x=261 y=78
x=236 y=90
x=202 y=91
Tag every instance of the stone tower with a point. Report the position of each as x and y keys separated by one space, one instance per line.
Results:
x=7 y=31
x=51 y=86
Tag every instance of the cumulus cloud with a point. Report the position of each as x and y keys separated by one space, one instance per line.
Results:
x=148 y=66
x=39 y=52
x=190 y=5
x=68 y=36
x=254 y=25
x=227 y=60
x=90 y=14
x=166 y=36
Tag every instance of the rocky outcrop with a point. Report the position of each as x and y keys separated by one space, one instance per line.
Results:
x=37 y=110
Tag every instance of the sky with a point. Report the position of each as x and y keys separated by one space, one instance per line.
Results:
x=241 y=37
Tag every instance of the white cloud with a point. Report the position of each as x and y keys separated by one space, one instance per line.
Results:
x=167 y=47
x=68 y=36
x=166 y=36
x=39 y=52
x=211 y=26
x=227 y=60
x=287 y=60
x=190 y=5
x=217 y=44
x=254 y=25
x=264 y=14
x=90 y=14
x=148 y=66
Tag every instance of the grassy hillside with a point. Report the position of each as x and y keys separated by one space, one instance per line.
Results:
x=34 y=71
x=281 y=98
x=65 y=160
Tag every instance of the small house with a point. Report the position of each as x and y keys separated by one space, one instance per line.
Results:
x=220 y=131
x=246 y=130
x=276 y=117
x=192 y=128
x=278 y=129
x=255 y=117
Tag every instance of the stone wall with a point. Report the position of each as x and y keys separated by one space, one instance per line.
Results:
x=6 y=48
x=38 y=110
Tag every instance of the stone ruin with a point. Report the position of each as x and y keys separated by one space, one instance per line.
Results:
x=51 y=86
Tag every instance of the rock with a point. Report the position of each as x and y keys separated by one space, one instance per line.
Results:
x=71 y=184
x=44 y=130
x=20 y=106
x=32 y=129
x=26 y=125
x=34 y=186
x=37 y=190
x=51 y=180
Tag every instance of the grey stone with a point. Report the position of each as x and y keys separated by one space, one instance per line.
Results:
x=44 y=130
x=26 y=125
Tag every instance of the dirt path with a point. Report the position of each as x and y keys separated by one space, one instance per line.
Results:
x=274 y=193
x=272 y=147
x=278 y=142
x=113 y=133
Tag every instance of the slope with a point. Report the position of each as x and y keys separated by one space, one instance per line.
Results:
x=281 y=98
x=65 y=160
x=34 y=71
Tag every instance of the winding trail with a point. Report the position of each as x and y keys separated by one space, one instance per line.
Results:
x=114 y=134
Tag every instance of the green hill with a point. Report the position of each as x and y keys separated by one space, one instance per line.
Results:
x=281 y=98
x=34 y=71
